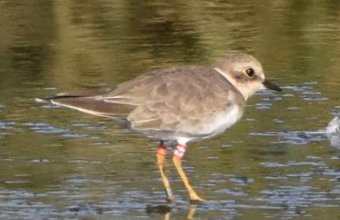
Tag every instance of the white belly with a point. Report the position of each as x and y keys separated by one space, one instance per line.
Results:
x=223 y=121
x=215 y=125
x=207 y=128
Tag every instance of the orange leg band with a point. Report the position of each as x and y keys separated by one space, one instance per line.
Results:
x=161 y=150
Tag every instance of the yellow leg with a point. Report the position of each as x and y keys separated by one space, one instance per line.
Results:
x=194 y=198
x=161 y=152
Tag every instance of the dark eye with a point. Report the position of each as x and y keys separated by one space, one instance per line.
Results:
x=250 y=72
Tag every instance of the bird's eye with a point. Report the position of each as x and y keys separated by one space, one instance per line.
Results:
x=250 y=72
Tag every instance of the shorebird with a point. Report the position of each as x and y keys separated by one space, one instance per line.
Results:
x=179 y=104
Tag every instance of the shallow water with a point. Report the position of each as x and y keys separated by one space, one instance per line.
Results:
x=274 y=163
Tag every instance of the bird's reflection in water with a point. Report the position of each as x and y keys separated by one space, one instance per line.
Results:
x=165 y=210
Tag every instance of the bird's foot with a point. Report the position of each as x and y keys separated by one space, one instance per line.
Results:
x=170 y=199
x=195 y=199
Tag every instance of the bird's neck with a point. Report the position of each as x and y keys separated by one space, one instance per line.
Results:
x=244 y=92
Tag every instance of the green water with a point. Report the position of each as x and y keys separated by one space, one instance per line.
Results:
x=56 y=163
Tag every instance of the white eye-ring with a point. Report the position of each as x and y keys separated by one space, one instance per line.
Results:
x=250 y=72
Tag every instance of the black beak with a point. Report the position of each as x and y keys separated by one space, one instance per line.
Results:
x=270 y=85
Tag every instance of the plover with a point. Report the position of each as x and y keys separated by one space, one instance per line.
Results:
x=180 y=104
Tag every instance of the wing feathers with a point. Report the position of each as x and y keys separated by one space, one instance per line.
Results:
x=93 y=106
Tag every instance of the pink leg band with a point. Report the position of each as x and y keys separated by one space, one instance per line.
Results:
x=179 y=151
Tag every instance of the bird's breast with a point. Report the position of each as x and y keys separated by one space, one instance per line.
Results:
x=205 y=127
x=222 y=121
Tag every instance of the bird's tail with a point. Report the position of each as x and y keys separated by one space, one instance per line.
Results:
x=89 y=102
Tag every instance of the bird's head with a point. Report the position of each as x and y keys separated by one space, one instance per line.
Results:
x=245 y=72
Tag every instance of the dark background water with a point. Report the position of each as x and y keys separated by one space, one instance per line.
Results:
x=60 y=164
